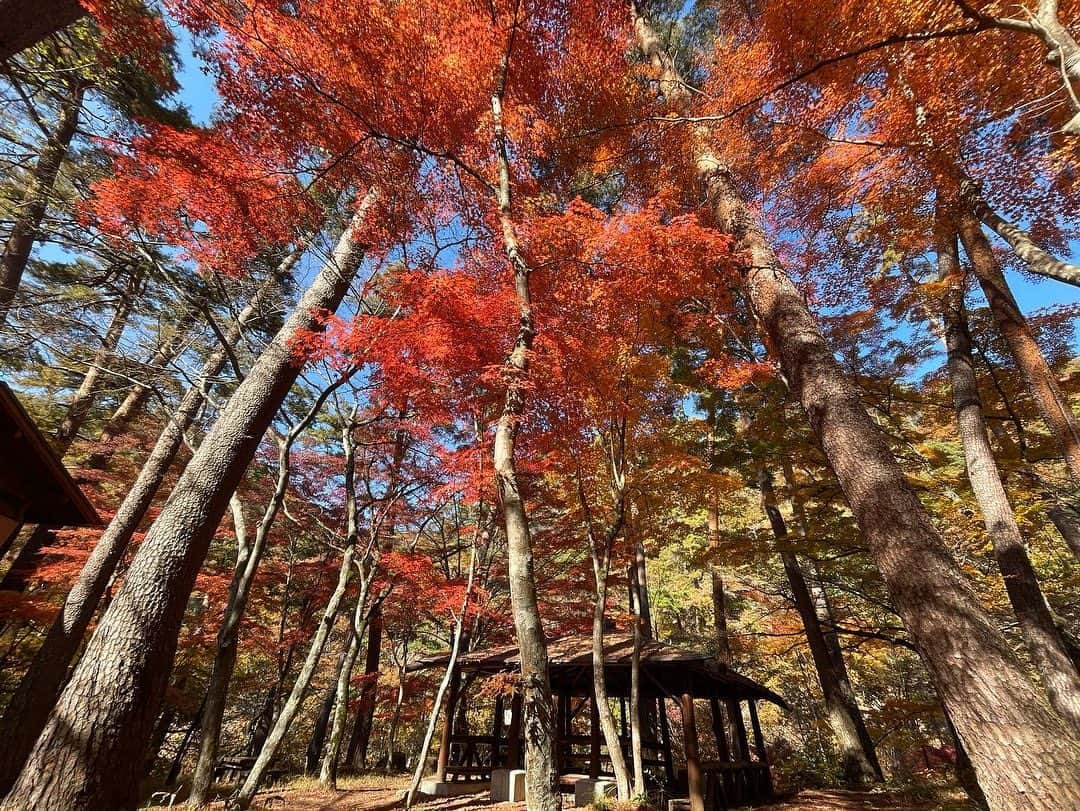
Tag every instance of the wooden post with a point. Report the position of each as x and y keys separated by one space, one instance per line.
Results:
x=594 y=739
x=665 y=737
x=448 y=727
x=496 y=730
x=694 y=779
x=740 y=732
x=759 y=742
x=513 y=749
x=719 y=730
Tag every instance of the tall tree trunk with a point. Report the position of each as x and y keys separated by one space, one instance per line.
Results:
x=637 y=754
x=80 y=762
x=1023 y=753
x=601 y=560
x=360 y=738
x=26 y=713
x=1044 y=637
x=328 y=773
x=35 y=201
x=858 y=760
x=83 y=399
x=1052 y=404
x=541 y=775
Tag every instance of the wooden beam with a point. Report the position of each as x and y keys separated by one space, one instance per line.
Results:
x=719 y=730
x=759 y=741
x=695 y=780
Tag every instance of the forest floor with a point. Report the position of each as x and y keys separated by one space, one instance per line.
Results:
x=365 y=794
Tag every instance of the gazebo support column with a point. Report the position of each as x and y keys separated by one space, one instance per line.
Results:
x=719 y=730
x=762 y=755
x=665 y=738
x=694 y=779
x=743 y=755
x=496 y=730
x=448 y=727
x=513 y=734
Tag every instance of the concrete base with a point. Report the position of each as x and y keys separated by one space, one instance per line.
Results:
x=507 y=785
x=441 y=788
x=587 y=791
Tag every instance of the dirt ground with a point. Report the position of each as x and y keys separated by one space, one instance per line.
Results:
x=386 y=795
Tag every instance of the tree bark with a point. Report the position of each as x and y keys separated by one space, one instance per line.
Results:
x=83 y=399
x=1052 y=404
x=1042 y=634
x=80 y=760
x=1067 y=522
x=26 y=713
x=328 y=773
x=858 y=760
x=35 y=201
x=365 y=713
x=27 y=22
x=716 y=578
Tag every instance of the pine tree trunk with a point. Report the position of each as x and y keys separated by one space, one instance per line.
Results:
x=81 y=760
x=83 y=399
x=1023 y=753
x=1052 y=404
x=35 y=201
x=858 y=760
x=26 y=713
x=1043 y=636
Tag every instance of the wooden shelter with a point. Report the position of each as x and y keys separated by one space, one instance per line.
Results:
x=35 y=487
x=738 y=774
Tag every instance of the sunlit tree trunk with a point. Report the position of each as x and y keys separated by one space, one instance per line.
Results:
x=360 y=738
x=1052 y=404
x=1044 y=637
x=80 y=761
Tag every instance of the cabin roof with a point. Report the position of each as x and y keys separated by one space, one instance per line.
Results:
x=33 y=474
x=665 y=669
